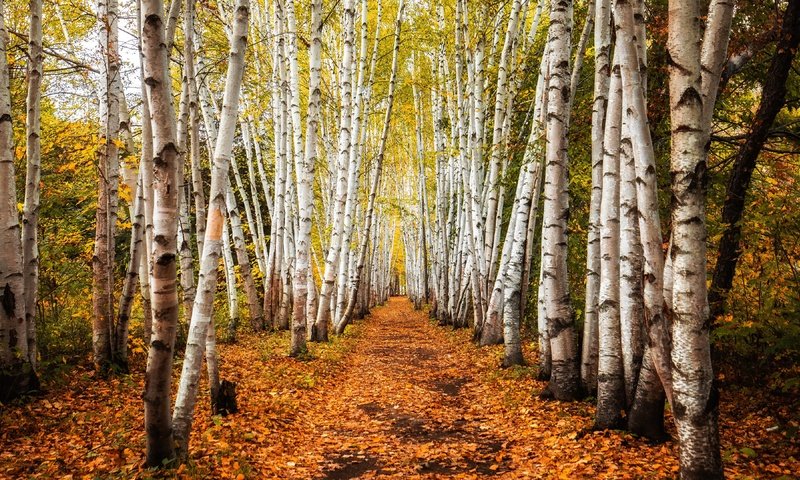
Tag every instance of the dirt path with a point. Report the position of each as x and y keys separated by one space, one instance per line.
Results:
x=403 y=408
x=394 y=398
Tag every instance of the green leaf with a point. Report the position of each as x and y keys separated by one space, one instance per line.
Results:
x=748 y=452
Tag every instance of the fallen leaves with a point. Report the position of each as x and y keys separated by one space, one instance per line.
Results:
x=400 y=398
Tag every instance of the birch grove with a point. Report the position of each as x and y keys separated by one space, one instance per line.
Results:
x=543 y=175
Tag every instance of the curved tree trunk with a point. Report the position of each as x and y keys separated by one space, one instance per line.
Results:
x=773 y=97
x=209 y=261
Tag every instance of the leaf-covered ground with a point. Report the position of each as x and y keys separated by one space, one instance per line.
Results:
x=397 y=397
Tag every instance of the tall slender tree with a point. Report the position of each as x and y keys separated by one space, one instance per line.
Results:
x=164 y=297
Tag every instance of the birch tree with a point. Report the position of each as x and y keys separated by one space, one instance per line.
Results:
x=303 y=311
x=17 y=373
x=163 y=294
x=209 y=261
x=610 y=378
x=695 y=398
x=368 y=216
x=327 y=291
x=602 y=70
x=565 y=377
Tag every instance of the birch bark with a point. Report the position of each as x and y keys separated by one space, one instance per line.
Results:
x=30 y=211
x=163 y=295
x=326 y=294
x=209 y=261
x=565 y=377
x=602 y=70
x=16 y=373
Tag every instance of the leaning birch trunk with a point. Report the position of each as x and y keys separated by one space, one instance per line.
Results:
x=16 y=374
x=646 y=413
x=209 y=261
x=30 y=211
x=353 y=166
x=254 y=306
x=303 y=278
x=512 y=292
x=120 y=347
x=492 y=330
x=565 y=376
x=327 y=291
x=164 y=296
x=602 y=69
x=695 y=397
x=497 y=140
x=362 y=251
x=610 y=377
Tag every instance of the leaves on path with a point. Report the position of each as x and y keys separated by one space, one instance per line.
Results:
x=396 y=397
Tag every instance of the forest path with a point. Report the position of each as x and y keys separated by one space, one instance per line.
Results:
x=406 y=405
x=396 y=397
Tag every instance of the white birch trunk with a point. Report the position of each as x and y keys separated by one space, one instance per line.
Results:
x=163 y=293
x=565 y=376
x=209 y=261
x=305 y=298
x=16 y=373
x=602 y=69
x=497 y=140
x=368 y=216
x=635 y=117
x=695 y=400
x=610 y=378
x=30 y=211
x=327 y=291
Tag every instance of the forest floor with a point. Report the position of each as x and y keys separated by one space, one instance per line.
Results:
x=396 y=397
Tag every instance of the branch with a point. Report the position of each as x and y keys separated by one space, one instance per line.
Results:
x=49 y=51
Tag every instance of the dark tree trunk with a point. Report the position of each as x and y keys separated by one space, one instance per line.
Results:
x=773 y=97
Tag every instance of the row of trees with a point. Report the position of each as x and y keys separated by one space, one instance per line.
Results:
x=273 y=170
x=646 y=324
x=180 y=228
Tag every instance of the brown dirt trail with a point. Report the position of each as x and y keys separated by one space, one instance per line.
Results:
x=396 y=397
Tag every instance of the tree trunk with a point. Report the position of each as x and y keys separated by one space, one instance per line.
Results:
x=302 y=314
x=30 y=215
x=209 y=261
x=773 y=97
x=610 y=377
x=565 y=377
x=328 y=290
x=17 y=375
x=635 y=117
x=164 y=298
x=602 y=70
x=362 y=256
x=120 y=347
x=695 y=397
